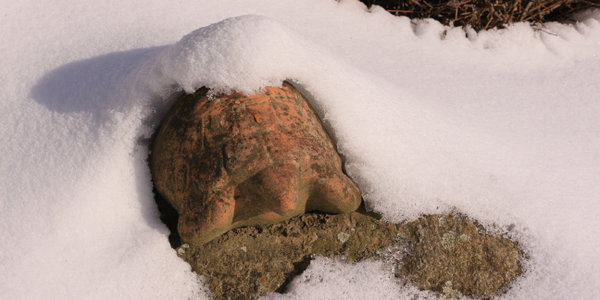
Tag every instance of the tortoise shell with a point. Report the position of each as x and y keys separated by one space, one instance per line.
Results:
x=235 y=160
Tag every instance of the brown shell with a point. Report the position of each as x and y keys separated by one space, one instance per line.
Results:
x=236 y=160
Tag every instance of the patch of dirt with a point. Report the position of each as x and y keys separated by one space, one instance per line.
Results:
x=447 y=254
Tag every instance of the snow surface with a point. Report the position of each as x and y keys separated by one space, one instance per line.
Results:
x=500 y=125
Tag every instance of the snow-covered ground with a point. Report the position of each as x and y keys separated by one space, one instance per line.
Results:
x=501 y=125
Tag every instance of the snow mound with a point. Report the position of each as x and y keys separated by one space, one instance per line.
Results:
x=243 y=53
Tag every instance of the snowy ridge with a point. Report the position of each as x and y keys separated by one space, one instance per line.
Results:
x=242 y=53
x=501 y=125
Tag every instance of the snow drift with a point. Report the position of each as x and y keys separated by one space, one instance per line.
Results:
x=501 y=125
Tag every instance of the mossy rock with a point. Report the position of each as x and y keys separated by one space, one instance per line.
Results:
x=247 y=262
x=450 y=255
x=454 y=256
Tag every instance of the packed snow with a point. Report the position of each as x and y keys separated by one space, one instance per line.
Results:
x=501 y=125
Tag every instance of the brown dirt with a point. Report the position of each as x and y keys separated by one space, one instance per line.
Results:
x=448 y=254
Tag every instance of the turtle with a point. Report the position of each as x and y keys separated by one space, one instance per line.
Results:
x=229 y=160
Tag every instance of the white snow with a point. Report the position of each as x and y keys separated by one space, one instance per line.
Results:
x=335 y=279
x=501 y=125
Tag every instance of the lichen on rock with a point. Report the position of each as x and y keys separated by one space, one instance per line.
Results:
x=454 y=256
x=272 y=255
x=248 y=262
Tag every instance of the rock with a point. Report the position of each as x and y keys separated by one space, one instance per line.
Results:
x=248 y=262
x=274 y=254
x=455 y=256
x=227 y=161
